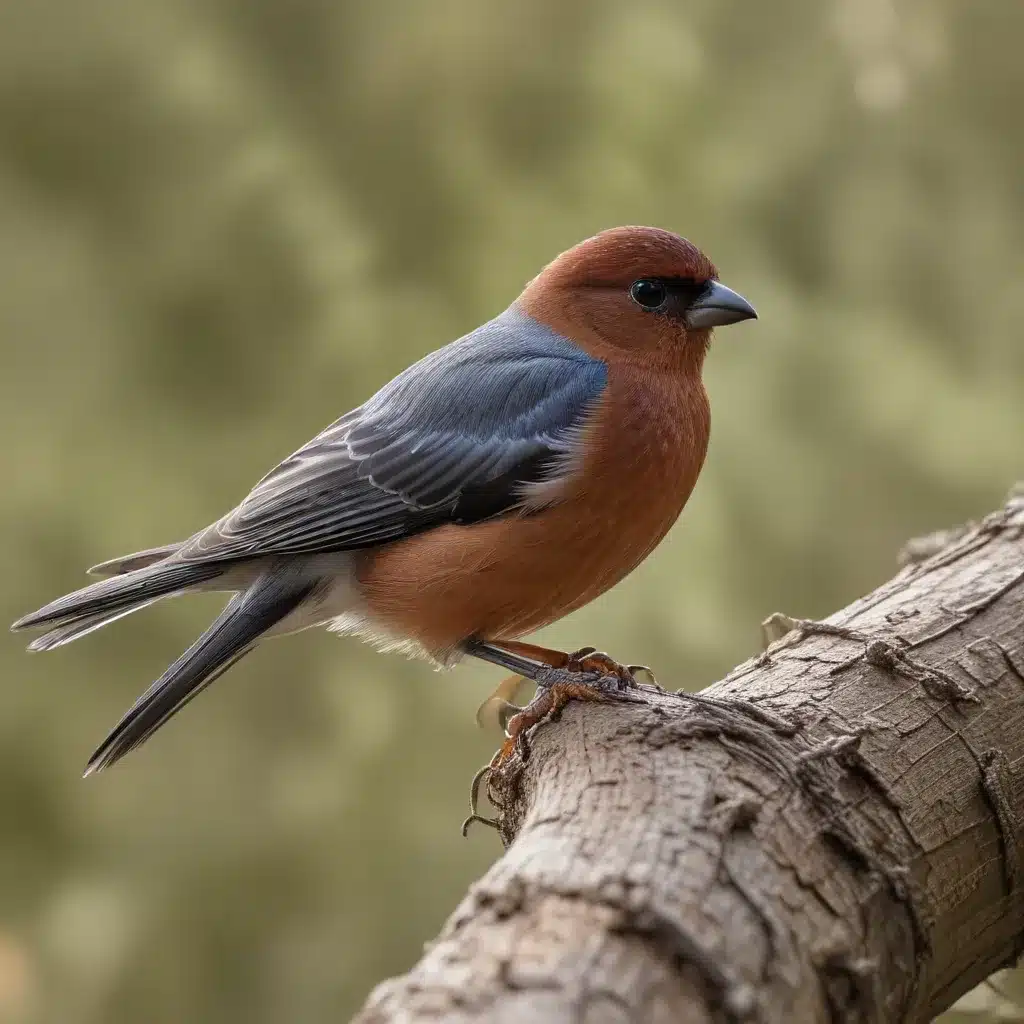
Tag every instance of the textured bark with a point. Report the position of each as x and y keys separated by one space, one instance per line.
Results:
x=831 y=833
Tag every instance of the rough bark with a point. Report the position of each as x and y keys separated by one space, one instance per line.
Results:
x=831 y=833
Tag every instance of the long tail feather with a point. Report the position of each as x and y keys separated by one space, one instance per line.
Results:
x=232 y=635
x=137 y=560
x=77 y=628
x=118 y=593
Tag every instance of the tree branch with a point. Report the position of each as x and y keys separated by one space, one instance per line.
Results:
x=831 y=833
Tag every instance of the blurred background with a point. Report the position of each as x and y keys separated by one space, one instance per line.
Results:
x=225 y=222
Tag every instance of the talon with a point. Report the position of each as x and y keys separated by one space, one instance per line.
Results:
x=500 y=705
x=474 y=788
x=474 y=800
x=497 y=712
x=603 y=665
x=490 y=822
x=592 y=660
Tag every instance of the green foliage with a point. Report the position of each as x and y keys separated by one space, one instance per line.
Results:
x=226 y=222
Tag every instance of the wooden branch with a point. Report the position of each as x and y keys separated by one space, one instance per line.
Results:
x=831 y=833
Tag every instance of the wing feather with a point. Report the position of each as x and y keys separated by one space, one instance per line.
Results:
x=455 y=437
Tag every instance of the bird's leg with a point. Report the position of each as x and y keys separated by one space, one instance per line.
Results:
x=522 y=659
x=500 y=706
x=585 y=674
x=586 y=659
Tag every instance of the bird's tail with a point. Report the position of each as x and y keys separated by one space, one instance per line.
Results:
x=233 y=634
x=137 y=560
x=76 y=614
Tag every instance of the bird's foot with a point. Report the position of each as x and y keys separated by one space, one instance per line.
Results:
x=501 y=707
x=589 y=659
x=586 y=674
x=596 y=679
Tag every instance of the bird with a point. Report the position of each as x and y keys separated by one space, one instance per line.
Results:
x=501 y=482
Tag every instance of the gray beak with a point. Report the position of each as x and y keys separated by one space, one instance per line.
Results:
x=717 y=306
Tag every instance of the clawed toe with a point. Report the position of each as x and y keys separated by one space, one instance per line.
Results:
x=497 y=713
x=474 y=800
x=551 y=698
x=589 y=659
x=500 y=706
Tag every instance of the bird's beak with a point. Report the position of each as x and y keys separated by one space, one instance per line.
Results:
x=718 y=306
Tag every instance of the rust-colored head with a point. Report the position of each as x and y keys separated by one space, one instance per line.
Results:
x=635 y=289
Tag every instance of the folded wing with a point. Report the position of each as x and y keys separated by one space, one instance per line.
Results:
x=454 y=438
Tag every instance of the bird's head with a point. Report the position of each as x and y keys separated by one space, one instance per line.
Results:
x=638 y=289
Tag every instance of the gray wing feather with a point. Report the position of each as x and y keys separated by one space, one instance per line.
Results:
x=453 y=438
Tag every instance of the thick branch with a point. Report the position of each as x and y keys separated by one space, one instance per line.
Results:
x=831 y=833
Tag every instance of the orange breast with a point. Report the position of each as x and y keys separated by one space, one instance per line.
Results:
x=505 y=577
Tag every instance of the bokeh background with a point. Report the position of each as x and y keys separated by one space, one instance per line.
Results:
x=225 y=222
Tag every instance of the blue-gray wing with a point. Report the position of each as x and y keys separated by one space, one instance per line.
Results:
x=454 y=438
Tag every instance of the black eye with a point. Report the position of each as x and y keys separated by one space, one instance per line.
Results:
x=648 y=294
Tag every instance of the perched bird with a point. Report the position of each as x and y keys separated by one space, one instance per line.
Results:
x=491 y=488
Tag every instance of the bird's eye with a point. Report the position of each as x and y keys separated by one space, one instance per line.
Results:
x=648 y=295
